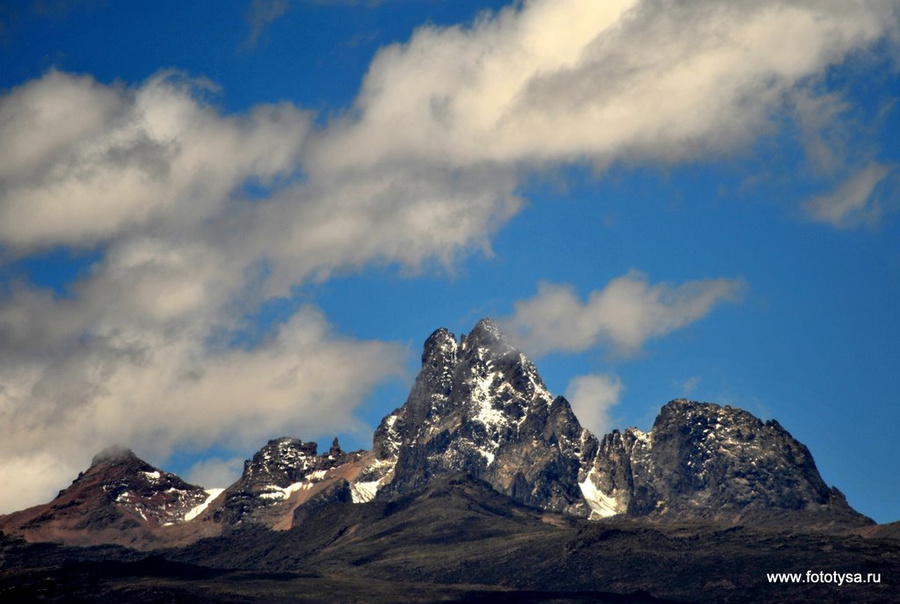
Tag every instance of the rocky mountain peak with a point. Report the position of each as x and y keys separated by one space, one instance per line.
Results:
x=274 y=474
x=439 y=349
x=479 y=406
x=120 y=498
x=282 y=461
x=707 y=461
x=115 y=454
x=487 y=334
x=335 y=451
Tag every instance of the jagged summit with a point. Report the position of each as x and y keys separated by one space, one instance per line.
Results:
x=279 y=477
x=487 y=334
x=480 y=406
x=707 y=461
x=440 y=345
x=486 y=338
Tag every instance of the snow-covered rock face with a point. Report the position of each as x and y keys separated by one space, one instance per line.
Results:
x=199 y=509
x=479 y=406
x=133 y=486
x=705 y=461
x=281 y=468
x=280 y=463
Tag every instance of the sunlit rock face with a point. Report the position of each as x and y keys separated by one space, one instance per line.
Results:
x=479 y=407
x=703 y=461
x=284 y=466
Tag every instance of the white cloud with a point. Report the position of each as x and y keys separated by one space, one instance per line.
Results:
x=215 y=473
x=853 y=203
x=591 y=397
x=157 y=391
x=625 y=314
x=31 y=477
x=564 y=80
x=405 y=215
x=88 y=162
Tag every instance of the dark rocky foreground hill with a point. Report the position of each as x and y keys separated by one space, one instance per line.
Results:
x=481 y=487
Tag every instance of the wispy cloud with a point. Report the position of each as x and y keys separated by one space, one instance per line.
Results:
x=855 y=201
x=690 y=385
x=624 y=315
x=563 y=80
x=214 y=472
x=591 y=397
x=263 y=13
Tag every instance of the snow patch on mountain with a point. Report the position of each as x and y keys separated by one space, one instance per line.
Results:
x=364 y=492
x=282 y=493
x=211 y=495
x=601 y=504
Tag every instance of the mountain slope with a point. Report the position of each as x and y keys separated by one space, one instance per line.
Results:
x=119 y=499
x=460 y=531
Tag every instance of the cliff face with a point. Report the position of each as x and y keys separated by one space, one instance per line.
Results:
x=702 y=461
x=479 y=407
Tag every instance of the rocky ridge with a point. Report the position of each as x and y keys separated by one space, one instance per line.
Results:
x=703 y=461
x=478 y=408
x=281 y=476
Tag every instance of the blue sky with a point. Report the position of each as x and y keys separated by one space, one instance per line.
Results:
x=228 y=222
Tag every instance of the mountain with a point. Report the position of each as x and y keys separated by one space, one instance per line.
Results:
x=285 y=474
x=459 y=540
x=478 y=408
x=481 y=487
x=702 y=461
x=119 y=499
x=458 y=533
